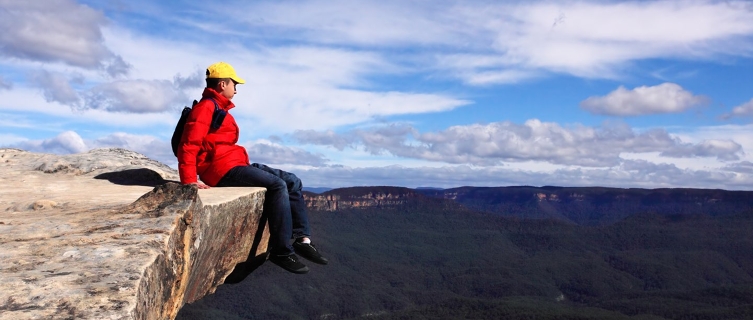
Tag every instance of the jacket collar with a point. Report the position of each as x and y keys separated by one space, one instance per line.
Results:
x=223 y=102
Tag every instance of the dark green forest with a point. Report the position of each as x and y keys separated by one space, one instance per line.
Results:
x=595 y=205
x=436 y=259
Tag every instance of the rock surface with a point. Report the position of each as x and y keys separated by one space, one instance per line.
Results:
x=107 y=235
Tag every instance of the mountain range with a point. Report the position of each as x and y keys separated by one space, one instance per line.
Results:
x=589 y=206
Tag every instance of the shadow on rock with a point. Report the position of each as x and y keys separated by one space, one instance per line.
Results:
x=134 y=177
x=243 y=269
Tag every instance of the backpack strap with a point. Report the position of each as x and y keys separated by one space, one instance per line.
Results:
x=218 y=116
x=178 y=132
x=216 y=106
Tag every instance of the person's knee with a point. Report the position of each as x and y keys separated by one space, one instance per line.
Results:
x=278 y=185
x=294 y=184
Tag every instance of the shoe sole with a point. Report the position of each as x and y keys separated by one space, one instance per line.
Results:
x=303 y=270
x=300 y=254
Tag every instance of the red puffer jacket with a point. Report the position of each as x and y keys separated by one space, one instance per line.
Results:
x=209 y=153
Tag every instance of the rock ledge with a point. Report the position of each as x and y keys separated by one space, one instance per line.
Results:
x=107 y=235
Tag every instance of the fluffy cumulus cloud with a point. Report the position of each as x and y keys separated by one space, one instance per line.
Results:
x=317 y=66
x=121 y=96
x=195 y=80
x=325 y=138
x=636 y=174
x=56 y=87
x=726 y=150
x=745 y=167
x=743 y=110
x=135 y=96
x=500 y=142
x=312 y=168
x=663 y=98
x=272 y=153
x=63 y=143
x=57 y=31
x=300 y=86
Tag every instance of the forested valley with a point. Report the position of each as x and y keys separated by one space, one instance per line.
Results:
x=434 y=258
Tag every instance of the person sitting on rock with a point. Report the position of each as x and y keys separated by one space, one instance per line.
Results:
x=209 y=149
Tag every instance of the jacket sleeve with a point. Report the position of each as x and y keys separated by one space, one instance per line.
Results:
x=196 y=129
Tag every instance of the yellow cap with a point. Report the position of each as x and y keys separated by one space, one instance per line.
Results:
x=222 y=70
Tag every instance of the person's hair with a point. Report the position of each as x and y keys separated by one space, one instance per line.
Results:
x=214 y=82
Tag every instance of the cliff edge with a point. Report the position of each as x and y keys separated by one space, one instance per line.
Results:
x=109 y=234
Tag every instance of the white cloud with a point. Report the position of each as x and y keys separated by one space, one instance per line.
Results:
x=516 y=40
x=64 y=143
x=745 y=167
x=288 y=88
x=305 y=88
x=56 y=30
x=116 y=67
x=57 y=87
x=477 y=41
x=5 y=84
x=739 y=134
x=193 y=81
x=496 y=143
x=155 y=57
x=743 y=110
x=160 y=150
x=485 y=69
x=311 y=168
x=29 y=103
x=631 y=174
x=366 y=22
x=663 y=98
x=71 y=142
x=727 y=150
x=136 y=96
x=271 y=153
x=323 y=81
x=28 y=99
x=326 y=138
x=280 y=108
x=318 y=65
x=596 y=39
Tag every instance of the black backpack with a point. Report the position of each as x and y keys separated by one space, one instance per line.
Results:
x=217 y=117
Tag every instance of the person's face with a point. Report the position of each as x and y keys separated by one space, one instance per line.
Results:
x=227 y=89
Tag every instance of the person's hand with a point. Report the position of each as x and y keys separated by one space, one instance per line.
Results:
x=200 y=185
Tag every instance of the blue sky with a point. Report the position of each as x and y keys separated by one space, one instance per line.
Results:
x=644 y=94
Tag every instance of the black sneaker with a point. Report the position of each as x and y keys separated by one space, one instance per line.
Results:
x=289 y=263
x=308 y=251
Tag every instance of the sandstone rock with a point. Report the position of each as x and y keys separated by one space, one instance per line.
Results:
x=361 y=197
x=89 y=236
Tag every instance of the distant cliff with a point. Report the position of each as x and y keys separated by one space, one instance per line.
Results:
x=106 y=235
x=360 y=197
x=578 y=205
